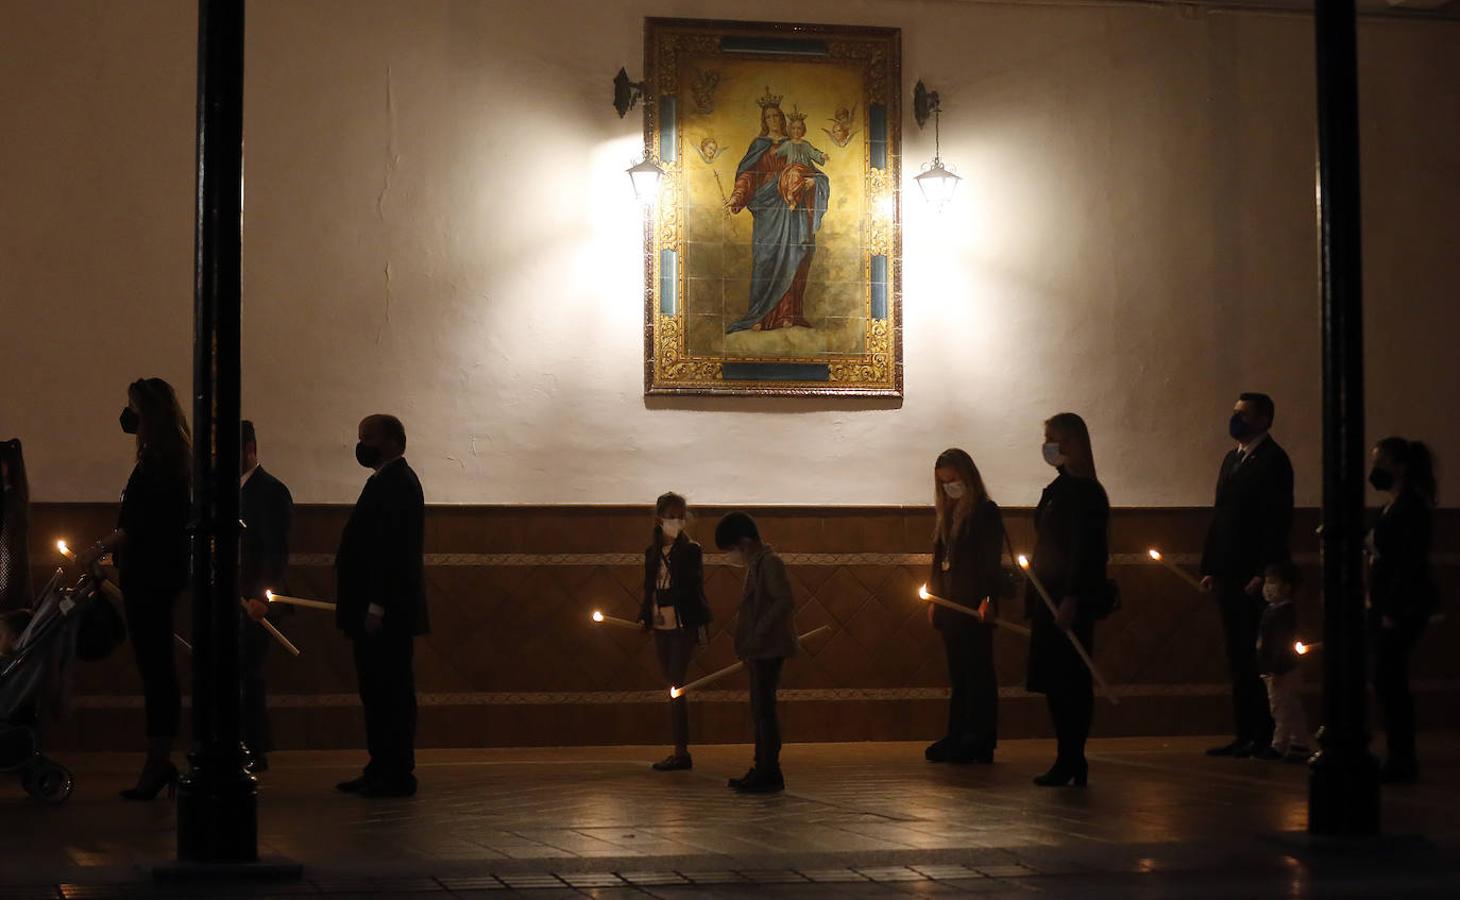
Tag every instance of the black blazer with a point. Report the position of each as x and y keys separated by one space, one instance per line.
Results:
x=974 y=566
x=380 y=560
x=1401 y=584
x=1252 y=514
x=1071 y=545
x=267 y=510
x=686 y=584
x=156 y=506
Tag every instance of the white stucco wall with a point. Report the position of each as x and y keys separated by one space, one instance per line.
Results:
x=438 y=225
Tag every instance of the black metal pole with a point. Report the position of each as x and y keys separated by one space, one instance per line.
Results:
x=217 y=815
x=1343 y=788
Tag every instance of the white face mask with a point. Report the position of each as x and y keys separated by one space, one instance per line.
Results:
x=1272 y=593
x=1052 y=454
x=954 y=489
x=735 y=557
x=672 y=527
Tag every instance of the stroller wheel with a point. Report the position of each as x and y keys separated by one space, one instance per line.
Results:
x=48 y=781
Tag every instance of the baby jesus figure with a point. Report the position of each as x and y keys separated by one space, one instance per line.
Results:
x=801 y=159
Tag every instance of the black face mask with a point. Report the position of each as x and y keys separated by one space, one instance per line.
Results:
x=1381 y=479
x=1240 y=429
x=366 y=455
x=129 y=420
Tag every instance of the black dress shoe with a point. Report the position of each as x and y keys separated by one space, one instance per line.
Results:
x=674 y=763
x=1238 y=749
x=940 y=750
x=737 y=782
x=1061 y=774
x=972 y=753
x=395 y=787
x=762 y=783
x=354 y=785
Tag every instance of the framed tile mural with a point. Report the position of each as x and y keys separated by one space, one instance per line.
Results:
x=773 y=255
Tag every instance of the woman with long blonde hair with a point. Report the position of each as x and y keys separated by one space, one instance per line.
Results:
x=150 y=545
x=1071 y=550
x=968 y=538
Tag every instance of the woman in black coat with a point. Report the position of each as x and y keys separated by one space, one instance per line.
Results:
x=150 y=546
x=968 y=541
x=1070 y=554
x=1401 y=589
x=674 y=608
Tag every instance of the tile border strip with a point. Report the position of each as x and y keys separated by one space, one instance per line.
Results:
x=505 y=560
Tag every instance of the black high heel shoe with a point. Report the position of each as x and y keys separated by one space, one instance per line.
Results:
x=1060 y=775
x=151 y=782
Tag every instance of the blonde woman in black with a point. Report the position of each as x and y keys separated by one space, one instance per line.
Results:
x=968 y=540
x=150 y=545
x=674 y=609
x=1071 y=549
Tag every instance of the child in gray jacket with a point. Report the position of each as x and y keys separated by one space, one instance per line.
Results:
x=764 y=637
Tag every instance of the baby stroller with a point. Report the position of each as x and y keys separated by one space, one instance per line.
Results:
x=36 y=679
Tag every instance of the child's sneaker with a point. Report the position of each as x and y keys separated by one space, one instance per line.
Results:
x=1297 y=754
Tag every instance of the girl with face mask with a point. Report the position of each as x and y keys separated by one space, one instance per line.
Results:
x=674 y=609
x=1402 y=593
x=968 y=540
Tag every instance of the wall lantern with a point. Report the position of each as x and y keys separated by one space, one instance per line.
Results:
x=645 y=177
x=937 y=182
x=626 y=93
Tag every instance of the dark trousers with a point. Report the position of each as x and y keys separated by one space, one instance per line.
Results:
x=253 y=649
x=973 y=703
x=765 y=675
x=1392 y=649
x=388 y=694
x=676 y=648
x=1068 y=686
x=150 y=626
x=1241 y=617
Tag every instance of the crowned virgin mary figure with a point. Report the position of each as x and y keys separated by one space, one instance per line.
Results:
x=787 y=196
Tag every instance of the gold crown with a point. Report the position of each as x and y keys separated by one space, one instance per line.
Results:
x=769 y=99
x=796 y=115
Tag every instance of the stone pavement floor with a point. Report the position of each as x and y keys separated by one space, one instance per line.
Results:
x=1159 y=819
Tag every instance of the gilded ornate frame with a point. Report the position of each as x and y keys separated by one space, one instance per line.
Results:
x=669 y=368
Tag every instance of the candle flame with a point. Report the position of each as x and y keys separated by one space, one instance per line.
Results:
x=65 y=550
x=923 y=592
x=1023 y=561
x=674 y=693
x=597 y=615
x=1155 y=554
x=269 y=595
x=1301 y=647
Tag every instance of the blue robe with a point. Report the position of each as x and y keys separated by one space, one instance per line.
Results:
x=782 y=238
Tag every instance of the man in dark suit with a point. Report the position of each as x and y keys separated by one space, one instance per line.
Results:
x=381 y=596
x=1250 y=527
x=267 y=510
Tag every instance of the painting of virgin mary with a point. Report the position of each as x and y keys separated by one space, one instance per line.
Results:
x=787 y=195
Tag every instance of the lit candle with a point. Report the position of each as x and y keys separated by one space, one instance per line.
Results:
x=1179 y=572
x=107 y=587
x=1303 y=649
x=600 y=619
x=297 y=601
x=958 y=607
x=1074 y=641
x=275 y=633
x=676 y=692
